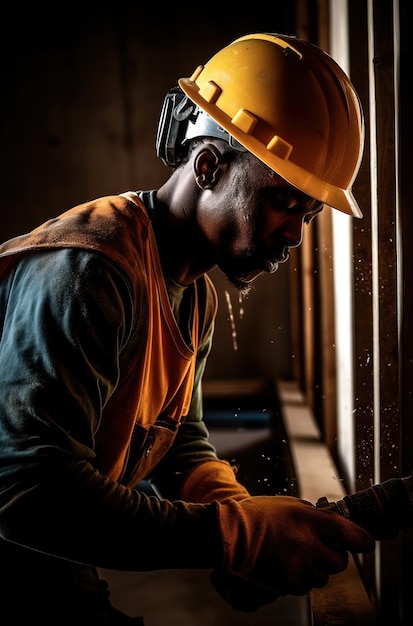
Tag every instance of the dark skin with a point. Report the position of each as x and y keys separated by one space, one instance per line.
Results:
x=236 y=214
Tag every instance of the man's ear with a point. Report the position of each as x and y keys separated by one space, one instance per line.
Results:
x=207 y=166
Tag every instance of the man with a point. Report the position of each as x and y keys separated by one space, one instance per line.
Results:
x=107 y=316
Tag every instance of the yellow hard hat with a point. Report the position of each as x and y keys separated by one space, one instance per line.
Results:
x=292 y=106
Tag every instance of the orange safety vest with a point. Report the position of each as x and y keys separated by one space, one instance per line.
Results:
x=141 y=418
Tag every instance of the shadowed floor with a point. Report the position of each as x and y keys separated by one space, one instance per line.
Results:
x=186 y=598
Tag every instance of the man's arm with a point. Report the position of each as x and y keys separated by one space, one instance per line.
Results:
x=65 y=324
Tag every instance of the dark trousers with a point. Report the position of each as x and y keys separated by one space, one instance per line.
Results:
x=38 y=589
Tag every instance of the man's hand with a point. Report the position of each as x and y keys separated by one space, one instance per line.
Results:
x=286 y=544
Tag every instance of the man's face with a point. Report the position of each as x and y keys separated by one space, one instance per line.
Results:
x=256 y=219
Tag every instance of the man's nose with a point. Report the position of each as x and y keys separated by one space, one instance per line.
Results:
x=293 y=233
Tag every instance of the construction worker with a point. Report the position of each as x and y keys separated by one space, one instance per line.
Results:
x=107 y=315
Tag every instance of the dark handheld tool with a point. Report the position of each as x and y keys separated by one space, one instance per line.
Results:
x=383 y=509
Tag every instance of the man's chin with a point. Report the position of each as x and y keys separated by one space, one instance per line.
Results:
x=242 y=288
x=241 y=285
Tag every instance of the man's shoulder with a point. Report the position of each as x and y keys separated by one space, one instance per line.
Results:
x=92 y=225
x=115 y=225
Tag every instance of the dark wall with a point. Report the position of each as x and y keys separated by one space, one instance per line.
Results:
x=81 y=91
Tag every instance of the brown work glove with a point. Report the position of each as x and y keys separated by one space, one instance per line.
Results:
x=286 y=545
x=216 y=480
x=212 y=480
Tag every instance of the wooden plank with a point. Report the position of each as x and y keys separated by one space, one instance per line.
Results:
x=344 y=600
